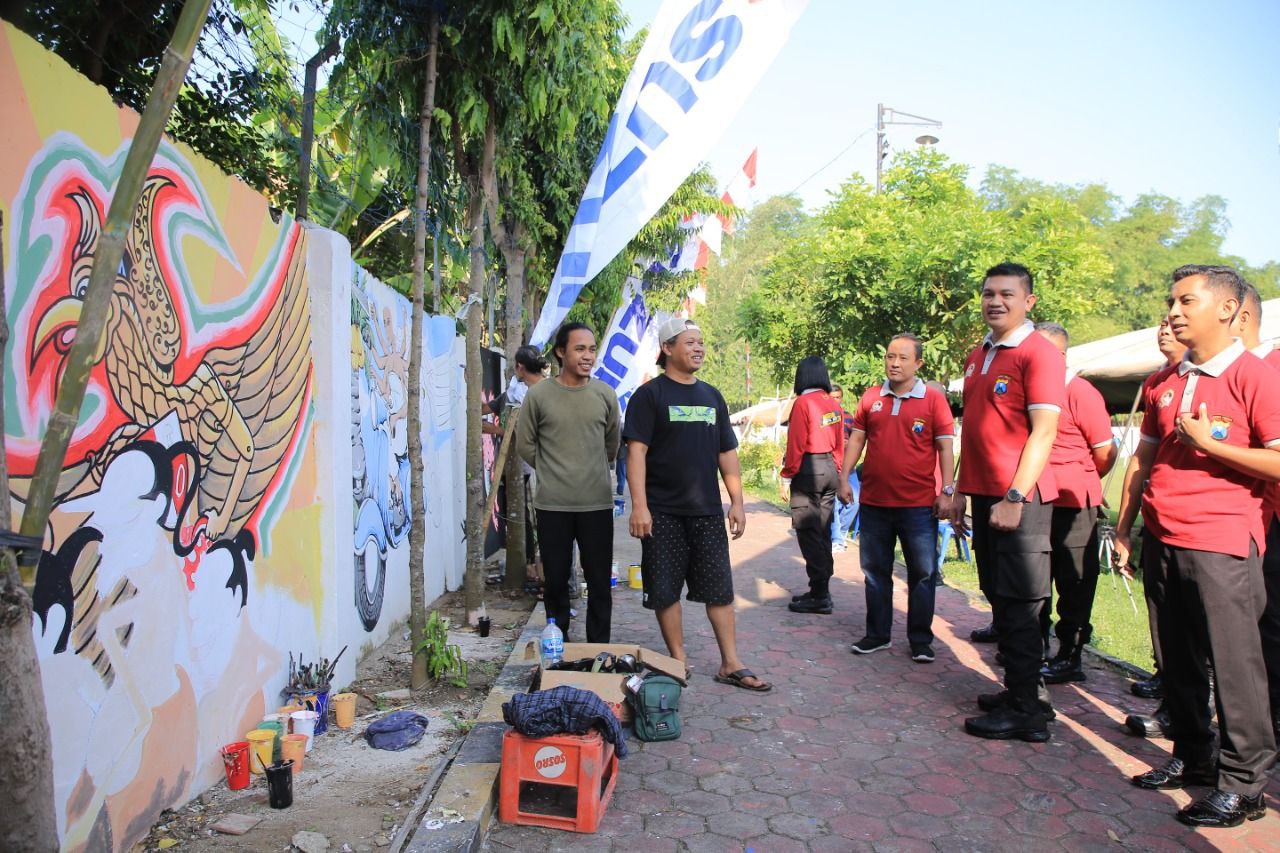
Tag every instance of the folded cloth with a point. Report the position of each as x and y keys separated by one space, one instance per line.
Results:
x=563 y=710
x=396 y=731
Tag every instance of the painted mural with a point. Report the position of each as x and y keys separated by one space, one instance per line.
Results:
x=169 y=567
x=380 y=333
x=196 y=539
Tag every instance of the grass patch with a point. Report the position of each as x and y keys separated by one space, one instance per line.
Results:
x=1116 y=630
x=768 y=494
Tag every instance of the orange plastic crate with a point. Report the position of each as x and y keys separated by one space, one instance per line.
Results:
x=562 y=781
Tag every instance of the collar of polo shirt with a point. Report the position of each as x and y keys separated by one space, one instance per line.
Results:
x=1214 y=366
x=1012 y=339
x=1263 y=349
x=917 y=390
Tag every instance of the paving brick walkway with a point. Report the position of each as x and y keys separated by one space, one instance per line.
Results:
x=869 y=753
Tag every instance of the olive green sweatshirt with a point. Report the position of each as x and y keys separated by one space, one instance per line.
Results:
x=570 y=437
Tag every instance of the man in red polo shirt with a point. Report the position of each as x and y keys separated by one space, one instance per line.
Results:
x=1013 y=394
x=1209 y=442
x=907 y=429
x=1082 y=454
x=1249 y=329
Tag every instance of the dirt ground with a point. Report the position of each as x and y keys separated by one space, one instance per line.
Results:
x=354 y=795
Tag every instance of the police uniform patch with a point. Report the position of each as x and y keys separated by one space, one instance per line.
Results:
x=877 y=405
x=830 y=418
x=1166 y=398
x=968 y=371
x=1219 y=427
x=1002 y=384
x=917 y=426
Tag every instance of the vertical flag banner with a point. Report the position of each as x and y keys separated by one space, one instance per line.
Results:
x=629 y=349
x=701 y=60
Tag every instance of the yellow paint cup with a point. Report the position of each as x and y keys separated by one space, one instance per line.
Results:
x=634 y=578
x=344 y=709
x=261 y=742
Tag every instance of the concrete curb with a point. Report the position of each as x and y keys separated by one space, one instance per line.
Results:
x=470 y=785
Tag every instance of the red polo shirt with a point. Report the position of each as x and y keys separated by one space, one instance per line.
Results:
x=816 y=426
x=1192 y=501
x=1083 y=425
x=1003 y=383
x=1271 y=501
x=901 y=454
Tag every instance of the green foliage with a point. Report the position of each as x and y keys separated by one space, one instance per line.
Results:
x=760 y=462
x=912 y=259
x=443 y=659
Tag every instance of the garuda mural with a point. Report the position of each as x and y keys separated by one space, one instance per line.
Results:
x=218 y=417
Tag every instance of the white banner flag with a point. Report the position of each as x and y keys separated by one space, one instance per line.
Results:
x=629 y=349
x=701 y=60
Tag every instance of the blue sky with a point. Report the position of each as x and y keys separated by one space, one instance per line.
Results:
x=1176 y=97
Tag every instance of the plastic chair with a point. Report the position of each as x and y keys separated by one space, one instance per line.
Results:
x=962 y=544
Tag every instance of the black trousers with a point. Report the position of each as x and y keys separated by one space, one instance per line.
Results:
x=1073 y=540
x=1014 y=573
x=1209 y=605
x=593 y=531
x=813 y=499
x=1269 y=625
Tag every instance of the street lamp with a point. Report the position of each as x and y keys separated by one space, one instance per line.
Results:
x=893 y=119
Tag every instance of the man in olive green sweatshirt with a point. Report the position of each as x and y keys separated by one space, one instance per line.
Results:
x=568 y=431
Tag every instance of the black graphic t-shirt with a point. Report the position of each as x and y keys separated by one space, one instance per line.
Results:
x=686 y=428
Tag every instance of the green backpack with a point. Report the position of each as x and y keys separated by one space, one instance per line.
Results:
x=657 y=708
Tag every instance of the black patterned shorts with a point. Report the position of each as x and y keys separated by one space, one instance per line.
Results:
x=692 y=549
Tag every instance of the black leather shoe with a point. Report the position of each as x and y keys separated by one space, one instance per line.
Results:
x=1220 y=809
x=1149 y=688
x=988 y=634
x=1062 y=670
x=802 y=596
x=811 y=605
x=1010 y=723
x=1175 y=774
x=1158 y=725
x=992 y=701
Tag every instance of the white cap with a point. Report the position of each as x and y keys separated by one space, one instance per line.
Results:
x=673 y=327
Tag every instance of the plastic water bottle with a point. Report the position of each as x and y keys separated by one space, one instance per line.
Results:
x=613 y=574
x=552 y=644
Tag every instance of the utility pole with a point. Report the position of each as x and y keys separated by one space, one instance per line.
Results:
x=882 y=144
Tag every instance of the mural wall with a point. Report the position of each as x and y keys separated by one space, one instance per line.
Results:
x=197 y=538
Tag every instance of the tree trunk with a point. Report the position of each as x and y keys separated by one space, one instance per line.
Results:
x=514 y=255
x=477 y=191
x=26 y=772
x=418 y=525
x=29 y=821
x=474 y=581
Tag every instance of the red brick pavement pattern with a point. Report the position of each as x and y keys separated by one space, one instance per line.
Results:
x=869 y=753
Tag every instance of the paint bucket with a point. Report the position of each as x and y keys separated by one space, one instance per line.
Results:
x=279 y=728
x=317 y=701
x=260 y=741
x=280 y=785
x=305 y=723
x=635 y=579
x=285 y=710
x=344 y=710
x=235 y=760
x=293 y=748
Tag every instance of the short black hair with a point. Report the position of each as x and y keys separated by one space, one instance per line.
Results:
x=811 y=372
x=1224 y=280
x=530 y=358
x=1017 y=271
x=835 y=386
x=562 y=338
x=1056 y=330
x=1253 y=300
x=914 y=338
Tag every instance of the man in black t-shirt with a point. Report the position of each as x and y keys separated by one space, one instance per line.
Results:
x=678 y=437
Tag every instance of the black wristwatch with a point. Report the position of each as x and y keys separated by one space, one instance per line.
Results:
x=1014 y=496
